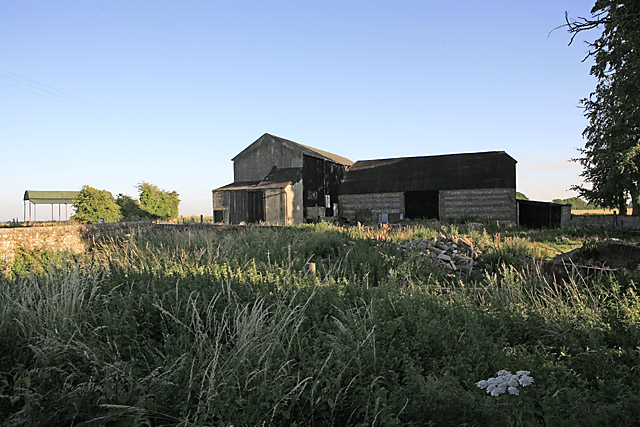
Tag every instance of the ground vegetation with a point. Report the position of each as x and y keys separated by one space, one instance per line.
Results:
x=202 y=327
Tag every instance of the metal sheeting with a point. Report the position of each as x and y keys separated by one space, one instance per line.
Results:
x=305 y=149
x=492 y=169
x=50 y=197
x=533 y=213
x=278 y=178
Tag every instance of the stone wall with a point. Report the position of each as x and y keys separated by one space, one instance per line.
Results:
x=495 y=203
x=607 y=221
x=74 y=238
x=358 y=206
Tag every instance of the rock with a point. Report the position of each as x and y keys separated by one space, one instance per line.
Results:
x=444 y=257
x=454 y=253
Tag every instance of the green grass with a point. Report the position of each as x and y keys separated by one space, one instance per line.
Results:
x=227 y=328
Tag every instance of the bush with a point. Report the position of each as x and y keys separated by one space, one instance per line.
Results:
x=158 y=203
x=92 y=205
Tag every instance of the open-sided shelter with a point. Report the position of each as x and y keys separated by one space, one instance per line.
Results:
x=442 y=187
x=537 y=214
x=34 y=198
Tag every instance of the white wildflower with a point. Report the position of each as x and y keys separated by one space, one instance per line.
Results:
x=513 y=381
x=482 y=384
x=506 y=381
x=525 y=380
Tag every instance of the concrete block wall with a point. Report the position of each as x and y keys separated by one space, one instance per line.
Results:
x=256 y=163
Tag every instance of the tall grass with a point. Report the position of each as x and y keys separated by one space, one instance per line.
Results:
x=208 y=328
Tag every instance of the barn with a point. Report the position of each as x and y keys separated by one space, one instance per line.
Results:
x=280 y=182
x=443 y=187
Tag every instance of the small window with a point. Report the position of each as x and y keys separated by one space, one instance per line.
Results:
x=218 y=216
x=327 y=201
x=312 y=195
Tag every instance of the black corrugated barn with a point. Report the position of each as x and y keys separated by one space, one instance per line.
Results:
x=442 y=187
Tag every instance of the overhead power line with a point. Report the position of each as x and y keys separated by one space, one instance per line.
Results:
x=40 y=87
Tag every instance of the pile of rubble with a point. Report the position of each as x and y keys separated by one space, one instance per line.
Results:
x=455 y=253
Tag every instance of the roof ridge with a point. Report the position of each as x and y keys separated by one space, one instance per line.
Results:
x=325 y=155
x=438 y=155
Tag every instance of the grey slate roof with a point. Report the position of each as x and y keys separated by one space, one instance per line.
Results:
x=491 y=169
x=310 y=151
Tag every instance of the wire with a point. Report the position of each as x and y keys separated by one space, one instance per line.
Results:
x=65 y=95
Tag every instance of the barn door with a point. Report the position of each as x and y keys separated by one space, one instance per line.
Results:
x=255 y=205
x=237 y=207
x=422 y=204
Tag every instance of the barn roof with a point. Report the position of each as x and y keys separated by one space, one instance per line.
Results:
x=278 y=178
x=490 y=169
x=309 y=151
x=50 y=197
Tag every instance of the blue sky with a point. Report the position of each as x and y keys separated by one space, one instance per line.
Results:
x=113 y=93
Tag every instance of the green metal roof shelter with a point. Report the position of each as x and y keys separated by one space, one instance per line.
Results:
x=48 y=198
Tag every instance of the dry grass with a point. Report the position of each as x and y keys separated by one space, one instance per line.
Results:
x=598 y=211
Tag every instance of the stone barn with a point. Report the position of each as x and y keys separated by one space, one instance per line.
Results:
x=442 y=187
x=280 y=182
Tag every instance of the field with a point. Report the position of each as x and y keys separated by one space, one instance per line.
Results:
x=228 y=328
x=597 y=211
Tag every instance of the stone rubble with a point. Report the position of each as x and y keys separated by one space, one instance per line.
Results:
x=455 y=253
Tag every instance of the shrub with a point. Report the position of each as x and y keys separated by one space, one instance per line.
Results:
x=92 y=205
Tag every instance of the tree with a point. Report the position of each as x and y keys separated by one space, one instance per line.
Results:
x=157 y=202
x=92 y=205
x=521 y=196
x=576 y=203
x=611 y=156
x=130 y=209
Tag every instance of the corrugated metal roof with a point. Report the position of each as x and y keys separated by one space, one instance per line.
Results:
x=540 y=203
x=310 y=151
x=491 y=169
x=278 y=178
x=50 y=197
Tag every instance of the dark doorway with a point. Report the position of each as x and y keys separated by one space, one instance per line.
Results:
x=539 y=214
x=422 y=204
x=255 y=204
x=247 y=206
